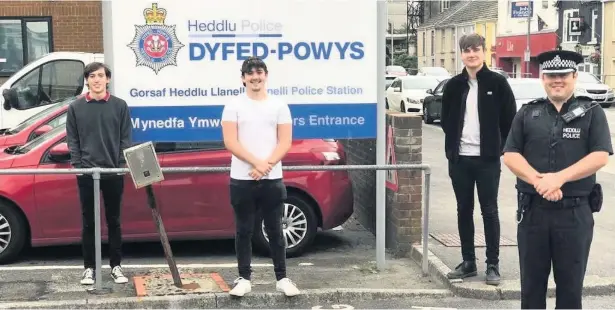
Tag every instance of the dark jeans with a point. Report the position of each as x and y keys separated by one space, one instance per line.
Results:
x=562 y=236
x=250 y=199
x=112 y=188
x=464 y=173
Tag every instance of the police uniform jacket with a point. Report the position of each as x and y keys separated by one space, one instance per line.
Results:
x=549 y=144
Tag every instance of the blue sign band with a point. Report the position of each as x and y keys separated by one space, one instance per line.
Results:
x=202 y=123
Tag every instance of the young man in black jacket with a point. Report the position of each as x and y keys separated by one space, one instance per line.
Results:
x=478 y=107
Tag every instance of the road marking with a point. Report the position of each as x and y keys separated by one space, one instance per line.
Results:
x=69 y=267
x=346 y=307
x=432 y=308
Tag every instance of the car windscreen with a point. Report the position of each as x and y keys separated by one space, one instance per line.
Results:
x=528 y=90
x=38 y=116
x=41 y=139
x=587 y=78
x=421 y=83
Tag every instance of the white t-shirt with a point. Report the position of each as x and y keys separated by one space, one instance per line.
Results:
x=470 y=136
x=257 y=131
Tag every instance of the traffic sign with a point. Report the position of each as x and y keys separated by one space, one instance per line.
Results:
x=177 y=63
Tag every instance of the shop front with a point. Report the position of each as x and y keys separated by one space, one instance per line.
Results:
x=510 y=52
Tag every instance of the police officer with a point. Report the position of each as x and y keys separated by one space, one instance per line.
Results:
x=555 y=147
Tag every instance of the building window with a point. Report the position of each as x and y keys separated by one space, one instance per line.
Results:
x=545 y=4
x=433 y=44
x=23 y=40
x=453 y=39
x=445 y=5
x=442 y=63
x=571 y=20
x=424 y=34
x=442 y=40
x=594 y=25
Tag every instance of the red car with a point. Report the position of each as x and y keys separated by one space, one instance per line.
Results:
x=36 y=125
x=43 y=209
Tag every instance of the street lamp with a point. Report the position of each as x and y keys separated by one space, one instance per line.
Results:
x=578 y=48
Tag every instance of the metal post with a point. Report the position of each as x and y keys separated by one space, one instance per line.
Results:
x=98 y=289
x=381 y=30
x=527 y=48
x=425 y=235
x=392 y=43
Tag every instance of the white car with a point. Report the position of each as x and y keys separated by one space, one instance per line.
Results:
x=406 y=93
x=526 y=90
x=434 y=71
x=589 y=86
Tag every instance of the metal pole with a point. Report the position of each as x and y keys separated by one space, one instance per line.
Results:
x=425 y=262
x=392 y=43
x=527 y=49
x=168 y=253
x=381 y=135
x=97 y=234
x=107 y=8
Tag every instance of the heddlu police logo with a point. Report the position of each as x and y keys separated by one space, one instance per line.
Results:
x=155 y=44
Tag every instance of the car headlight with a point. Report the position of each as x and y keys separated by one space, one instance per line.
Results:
x=580 y=90
x=412 y=101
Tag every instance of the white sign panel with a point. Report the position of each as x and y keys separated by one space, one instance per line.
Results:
x=177 y=63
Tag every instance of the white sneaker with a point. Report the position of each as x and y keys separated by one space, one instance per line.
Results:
x=88 y=277
x=242 y=287
x=118 y=276
x=287 y=287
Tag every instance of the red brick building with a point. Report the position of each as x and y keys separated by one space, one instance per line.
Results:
x=29 y=29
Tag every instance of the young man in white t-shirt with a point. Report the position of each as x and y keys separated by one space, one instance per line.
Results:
x=257 y=129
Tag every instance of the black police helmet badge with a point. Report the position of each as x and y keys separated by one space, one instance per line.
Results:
x=559 y=61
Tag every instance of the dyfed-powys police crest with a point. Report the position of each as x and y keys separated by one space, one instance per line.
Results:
x=155 y=44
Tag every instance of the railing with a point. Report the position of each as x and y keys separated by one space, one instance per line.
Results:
x=97 y=172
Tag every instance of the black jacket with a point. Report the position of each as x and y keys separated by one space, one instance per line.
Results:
x=496 y=110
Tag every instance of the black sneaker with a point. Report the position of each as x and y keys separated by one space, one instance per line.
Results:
x=463 y=270
x=492 y=275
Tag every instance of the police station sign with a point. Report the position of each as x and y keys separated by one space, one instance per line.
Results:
x=177 y=63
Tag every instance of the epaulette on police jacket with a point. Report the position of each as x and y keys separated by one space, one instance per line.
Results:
x=538 y=101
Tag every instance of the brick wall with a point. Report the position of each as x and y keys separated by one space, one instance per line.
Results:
x=77 y=25
x=403 y=207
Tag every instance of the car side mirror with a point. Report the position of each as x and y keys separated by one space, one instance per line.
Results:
x=42 y=130
x=430 y=91
x=10 y=98
x=60 y=152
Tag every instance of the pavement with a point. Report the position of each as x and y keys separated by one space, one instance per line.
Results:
x=446 y=255
x=338 y=269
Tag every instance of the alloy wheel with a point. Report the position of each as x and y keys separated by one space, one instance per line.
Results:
x=294 y=226
x=5 y=233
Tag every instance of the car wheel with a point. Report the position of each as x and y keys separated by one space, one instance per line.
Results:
x=426 y=116
x=299 y=223
x=403 y=107
x=12 y=233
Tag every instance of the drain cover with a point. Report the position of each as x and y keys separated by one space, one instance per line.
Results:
x=452 y=240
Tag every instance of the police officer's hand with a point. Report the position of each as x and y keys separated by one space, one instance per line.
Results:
x=556 y=196
x=548 y=183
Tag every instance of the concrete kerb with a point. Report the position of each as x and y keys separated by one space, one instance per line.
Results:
x=508 y=289
x=308 y=298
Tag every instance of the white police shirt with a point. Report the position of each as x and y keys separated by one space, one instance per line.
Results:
x=257 y=131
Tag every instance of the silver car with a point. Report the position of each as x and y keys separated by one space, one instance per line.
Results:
x=589 y=86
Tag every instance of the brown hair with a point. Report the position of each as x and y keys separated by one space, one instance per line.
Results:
x=471 y=40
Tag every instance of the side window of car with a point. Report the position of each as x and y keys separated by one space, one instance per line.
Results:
x=62 y=79
x=440 y=89
x=58 y=121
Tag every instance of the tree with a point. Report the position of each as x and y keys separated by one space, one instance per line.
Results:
x=405 y=60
